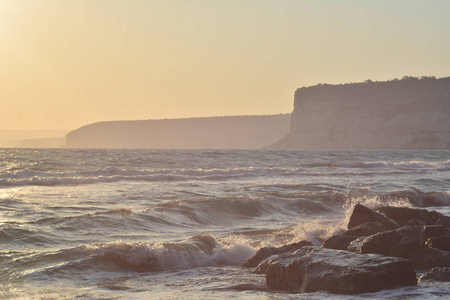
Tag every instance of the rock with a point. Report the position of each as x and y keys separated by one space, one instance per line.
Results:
x=339 y=242
x=266 y=252
x=398 y=242
x=262 y=267
x=439 y=274
x=312 y=269
x=443 y=221
x=362 y=214
x=402 y=215
x=366 y=229
x=432 y=231
x=414 y=222
x=439 y=242
x=425 y=258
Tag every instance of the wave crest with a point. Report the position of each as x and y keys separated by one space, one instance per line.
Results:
x=198 y=251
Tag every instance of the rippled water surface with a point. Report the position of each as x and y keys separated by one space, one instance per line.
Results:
x=174 y=224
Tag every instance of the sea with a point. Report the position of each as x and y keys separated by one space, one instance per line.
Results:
x=178 y=224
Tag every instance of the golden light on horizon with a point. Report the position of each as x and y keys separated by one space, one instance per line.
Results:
x=64 y=64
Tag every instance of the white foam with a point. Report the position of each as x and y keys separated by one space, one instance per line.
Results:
x=315 y=231
x=373 y=202
x=198 y=251
x=413 y=164
x=319 y=229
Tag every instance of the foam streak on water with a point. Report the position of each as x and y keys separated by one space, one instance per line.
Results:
x=169 y=224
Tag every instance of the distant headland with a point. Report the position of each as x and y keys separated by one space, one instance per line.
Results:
x=411 y=113
x=232 y=132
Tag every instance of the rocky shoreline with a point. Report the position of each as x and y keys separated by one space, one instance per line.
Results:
x=381 y=249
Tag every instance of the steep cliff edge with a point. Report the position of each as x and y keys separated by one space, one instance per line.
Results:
x=234 y=132
x=411 y=113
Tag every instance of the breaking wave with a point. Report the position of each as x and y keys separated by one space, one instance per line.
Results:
x=198 y=251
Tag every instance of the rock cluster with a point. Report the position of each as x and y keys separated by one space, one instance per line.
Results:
x=380 y=250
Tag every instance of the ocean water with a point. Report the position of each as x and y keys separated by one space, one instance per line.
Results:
x=177 y=224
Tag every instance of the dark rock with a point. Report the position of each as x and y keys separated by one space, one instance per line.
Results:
x=362 y=214
x=432 y=231
x=425 y=258
x=443 y=221
x=439 y=242
x=366 y=229
x=414 y=222
x=266 y=252
x=262 y=267
x=402 y=215
x=312 y=269
x=398 y=242
x=439 y=274
x=338 y=242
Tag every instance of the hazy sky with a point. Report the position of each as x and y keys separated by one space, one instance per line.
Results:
x=66 y=63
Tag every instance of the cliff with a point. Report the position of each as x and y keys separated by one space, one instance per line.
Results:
x=235 y=132
x=411 y=113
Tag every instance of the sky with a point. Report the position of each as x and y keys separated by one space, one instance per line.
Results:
x=68 y=63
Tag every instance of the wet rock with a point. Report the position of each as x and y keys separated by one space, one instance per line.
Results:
x=399 y=242
x=312 y=269
x=402 y=215
x=432 y=231
x=362 y=214
x=262 y=267
x=439 y=242
x=443 y=221
x=339 y=242
x=438 y=274
x=414 y=222
x=424 y=258
x=266 y=252
x=366 y=229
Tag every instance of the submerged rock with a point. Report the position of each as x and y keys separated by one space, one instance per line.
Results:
x=266 y=252
x=398 y=242
x=439 y=274
x=362 y=214
x=312 y=269
x=339 y=242
x=402 y=215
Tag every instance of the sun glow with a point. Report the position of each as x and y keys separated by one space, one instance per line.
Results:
x=65 y=64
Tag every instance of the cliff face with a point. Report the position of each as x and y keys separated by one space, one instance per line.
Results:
x=237 y=132
x=410 y=113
